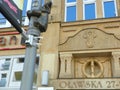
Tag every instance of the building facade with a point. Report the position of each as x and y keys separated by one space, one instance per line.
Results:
x=79 y=50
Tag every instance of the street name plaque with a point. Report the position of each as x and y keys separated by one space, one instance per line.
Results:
x=86 y=83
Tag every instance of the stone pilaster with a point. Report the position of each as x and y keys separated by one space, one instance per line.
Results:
x=66 y=66
x=116 y=64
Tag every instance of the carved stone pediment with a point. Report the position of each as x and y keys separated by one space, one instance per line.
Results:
x=89 y=39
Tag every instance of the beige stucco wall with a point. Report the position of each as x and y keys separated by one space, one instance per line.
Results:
x=49 y=52
x=58 y=32
x=49 y=44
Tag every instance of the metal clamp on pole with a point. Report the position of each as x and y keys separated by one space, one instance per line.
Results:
x=30 y=41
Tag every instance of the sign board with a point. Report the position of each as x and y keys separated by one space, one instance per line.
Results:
x=81 y=84
x=14 y=7
x=11 y=11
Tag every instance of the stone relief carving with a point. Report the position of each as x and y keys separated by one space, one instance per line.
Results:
x=84 y=67
x=90 y=39
x=95 y=67
x=90 y=36
x=92 y=68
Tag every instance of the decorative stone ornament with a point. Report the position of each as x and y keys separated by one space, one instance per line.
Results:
x=89 y=69
x=89 y=36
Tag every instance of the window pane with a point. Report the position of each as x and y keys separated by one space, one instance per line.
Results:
x=4 y=75
x=2 y=82
x=2 y=19
x=71 y=13
x=71 y=0
x=24 y=8
x=89 y=11
x=42 y=2
x=17 y=76
x=109 y=9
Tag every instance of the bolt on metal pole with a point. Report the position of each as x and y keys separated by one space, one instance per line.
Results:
x=31 y=51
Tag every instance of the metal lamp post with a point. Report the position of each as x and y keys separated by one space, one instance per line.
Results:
x=38 y=23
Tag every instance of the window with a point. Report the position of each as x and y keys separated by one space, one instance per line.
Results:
x=4 y=75
x=42 y=2
x=20 y=60
x=6 y=65
x=12 y=76
x=71 y=1
x=70 y=10
x=3 y=82
x=24 y=8
x=89 y=8
x=71 y=13
x=17 y=76
x=89 y=11
x=109 y=8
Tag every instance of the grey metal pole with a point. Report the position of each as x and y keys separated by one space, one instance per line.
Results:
x=38 y=17
x=30 y=57
x=38 y=23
